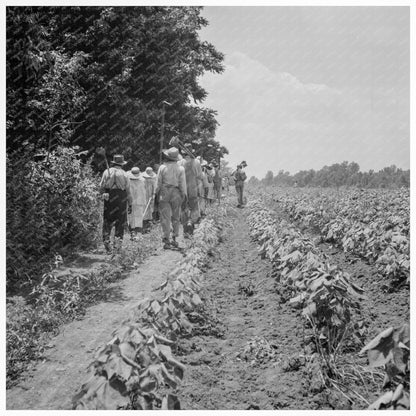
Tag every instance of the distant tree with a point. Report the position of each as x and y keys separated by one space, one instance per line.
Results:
x=345 y=174
x=253 y=181
x=268 y=179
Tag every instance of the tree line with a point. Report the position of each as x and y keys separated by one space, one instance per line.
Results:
x=99 y=76
x=340 y=174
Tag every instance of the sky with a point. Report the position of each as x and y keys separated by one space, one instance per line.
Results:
x=305 y=87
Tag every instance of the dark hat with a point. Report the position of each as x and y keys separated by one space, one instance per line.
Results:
x=118 y=160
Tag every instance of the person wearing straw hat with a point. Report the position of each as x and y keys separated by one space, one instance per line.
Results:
x=138 y=195
x=171 y=188
x=115 y=189
x=150 y=184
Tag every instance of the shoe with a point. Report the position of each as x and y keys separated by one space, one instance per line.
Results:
x=189 y=228
x=174 y=243
x=166 y=243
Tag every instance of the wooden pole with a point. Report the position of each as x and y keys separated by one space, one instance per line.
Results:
x=162 y=128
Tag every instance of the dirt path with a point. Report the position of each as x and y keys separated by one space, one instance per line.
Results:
x=55 y=380
x=223 y=373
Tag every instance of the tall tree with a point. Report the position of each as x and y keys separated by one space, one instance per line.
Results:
x=115 y=67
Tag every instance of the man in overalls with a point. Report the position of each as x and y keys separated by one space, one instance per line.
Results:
x=115 y=188
x=171 y=188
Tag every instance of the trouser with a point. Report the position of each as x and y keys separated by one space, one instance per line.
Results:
x=217 y=191
x=155 y=213
x=239 y=187
x=170 y=201
x=202 y=205
x=115 y=215
x=190 y=210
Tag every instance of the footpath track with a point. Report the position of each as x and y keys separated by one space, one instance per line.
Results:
x=247 y=367
x=53 y=382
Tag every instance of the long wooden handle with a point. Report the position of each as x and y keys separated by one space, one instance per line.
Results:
x=147 y=206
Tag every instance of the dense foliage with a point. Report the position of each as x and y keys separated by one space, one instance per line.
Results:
x=83 y=77
x=340 y=174
x=98 y=76
x=52 y=206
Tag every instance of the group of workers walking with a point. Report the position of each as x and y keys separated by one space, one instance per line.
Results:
x=179 y=193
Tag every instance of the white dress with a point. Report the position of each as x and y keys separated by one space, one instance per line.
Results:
x=138 y=194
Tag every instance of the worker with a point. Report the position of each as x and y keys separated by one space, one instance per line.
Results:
x=171 y=188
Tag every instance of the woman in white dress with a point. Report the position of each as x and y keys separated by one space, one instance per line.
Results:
x=210 y=176
x=138 y=192
x=150 y=185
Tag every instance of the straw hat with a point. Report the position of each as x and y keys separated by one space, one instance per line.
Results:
x=135 y=171
x=149 y=173
x=172 y=154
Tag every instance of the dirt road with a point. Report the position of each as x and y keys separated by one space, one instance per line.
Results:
x=55 y=380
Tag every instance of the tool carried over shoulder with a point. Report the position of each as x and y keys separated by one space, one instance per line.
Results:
x=174 y=141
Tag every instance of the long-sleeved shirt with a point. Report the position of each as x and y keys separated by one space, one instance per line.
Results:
x=116 y=178
x=171 y=174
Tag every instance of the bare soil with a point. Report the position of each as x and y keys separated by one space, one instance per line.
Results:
x=253 y=358
x=53 y=382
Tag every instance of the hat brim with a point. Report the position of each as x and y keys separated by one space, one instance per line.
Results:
x=147 y=176
x=173 y=159
x=119 y=164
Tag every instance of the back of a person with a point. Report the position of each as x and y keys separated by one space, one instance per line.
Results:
x=240 y=177
x=137 y=189
x=116 y=178
x=191 y=174
x=170 y=173
x=217 y=178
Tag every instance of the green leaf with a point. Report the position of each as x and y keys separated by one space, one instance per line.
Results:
x=127 y=349
x=170 y=402
x=385 y=349
x=116 y=366
x=384 y=400
x=155 y=307
x=148 y=384
x=112 y=396
x=196 y=300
